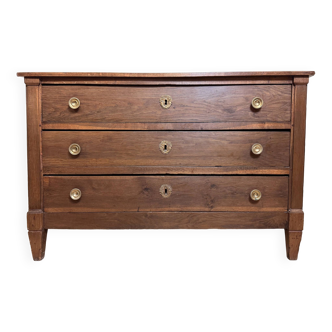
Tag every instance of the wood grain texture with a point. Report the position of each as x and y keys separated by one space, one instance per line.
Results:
x=38 y=244
x=100 y=150
x=189 y=104
x=171 y=81
x=298 y=131
x=165 y=75
x=293 y=240
x=33 y=95
x=166 y=220
x=175 y=170
x=141 y=193
x=37 y=235
x=168 y=126
x=296 y=219
x=210 y=169
x=294 y=232
x=35 y=220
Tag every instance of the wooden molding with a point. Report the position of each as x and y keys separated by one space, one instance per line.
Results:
x=168 y=126
x=169 y=75
x=31 y=81
x=298 y=80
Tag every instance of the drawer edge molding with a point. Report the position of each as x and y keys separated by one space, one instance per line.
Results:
x=169 y=126
x=166 y=220
x=165 y=170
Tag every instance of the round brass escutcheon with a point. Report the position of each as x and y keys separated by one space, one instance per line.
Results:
x=257 y=103
x=165 y=147
x=165 y=101
x=74 y=149
x=74 y=103
x=75 y=194
x=255 y=195
x=257 y=148
x=165 y=190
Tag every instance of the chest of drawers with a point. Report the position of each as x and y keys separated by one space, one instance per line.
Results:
x=165 y=151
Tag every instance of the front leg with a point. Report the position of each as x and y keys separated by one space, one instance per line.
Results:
x=37 y=234
x=293 y=233
x=293 y=239
x=38 y=244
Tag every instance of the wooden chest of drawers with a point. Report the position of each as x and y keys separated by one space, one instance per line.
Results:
x=135 y=151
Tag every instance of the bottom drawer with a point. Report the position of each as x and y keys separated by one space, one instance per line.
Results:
x=164 y=193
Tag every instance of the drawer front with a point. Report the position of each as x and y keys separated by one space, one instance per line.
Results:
x=164 y=193
x=162 y=148
x=187 y=104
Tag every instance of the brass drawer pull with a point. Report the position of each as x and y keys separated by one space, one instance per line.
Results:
x=75 y=194
x=165 y=101
x=257 y=103
x=165 y=190
x=255 y=195
x=74 y=103
x=74 y=149
x=257 y=148
x=165 y=147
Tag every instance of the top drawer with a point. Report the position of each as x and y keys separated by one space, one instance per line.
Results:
x=186 y=104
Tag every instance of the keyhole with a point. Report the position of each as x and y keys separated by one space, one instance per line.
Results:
x=165 y=147
x=165 y=191
x=165 y=101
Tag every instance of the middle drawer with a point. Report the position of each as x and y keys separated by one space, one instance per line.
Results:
x=96 y=151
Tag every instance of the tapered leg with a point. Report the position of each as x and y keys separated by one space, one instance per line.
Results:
x=293 y=239
x=38 y=244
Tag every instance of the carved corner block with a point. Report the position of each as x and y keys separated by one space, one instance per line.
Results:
x=35 y=220
x=296 y=219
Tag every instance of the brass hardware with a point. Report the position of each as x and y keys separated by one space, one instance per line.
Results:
x=165 y=190
x=75 y=194
x=255 y=195
x=74 y=149
x=74 y=103
x=257 y=103
x=166 y=101
x=257 y=148
x=165 y=146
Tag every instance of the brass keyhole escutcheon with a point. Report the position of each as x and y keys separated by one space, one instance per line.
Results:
x=165 y=147
x=165 y=190
x=165 y=101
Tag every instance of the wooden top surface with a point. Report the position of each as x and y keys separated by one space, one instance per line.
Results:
x=162 y=75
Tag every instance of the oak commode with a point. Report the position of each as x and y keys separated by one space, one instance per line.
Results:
x=192 y=150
